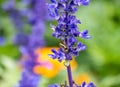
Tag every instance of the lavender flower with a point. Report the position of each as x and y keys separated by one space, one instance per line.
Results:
x=67 y=31
x=35 y=40
x=35 y=14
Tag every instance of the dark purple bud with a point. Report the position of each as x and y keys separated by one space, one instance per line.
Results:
x=53 y=1
x=54 y=51
x=83 y=84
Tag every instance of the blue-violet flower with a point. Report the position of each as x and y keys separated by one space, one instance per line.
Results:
x=67 y=29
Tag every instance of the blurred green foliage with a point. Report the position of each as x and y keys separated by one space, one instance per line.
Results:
x=101 y=59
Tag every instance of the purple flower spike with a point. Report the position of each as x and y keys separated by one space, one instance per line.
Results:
x=67 y=28
x=67 y=31
x=35 y=14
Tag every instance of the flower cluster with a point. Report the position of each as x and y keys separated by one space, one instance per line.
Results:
x=67 y=29
x=34 y=12
x=35 y=40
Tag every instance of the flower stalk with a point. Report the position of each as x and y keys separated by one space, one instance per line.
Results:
x=67 y=31
x=69 y=76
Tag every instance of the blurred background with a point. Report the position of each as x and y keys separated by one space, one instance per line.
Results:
x=99 y=63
